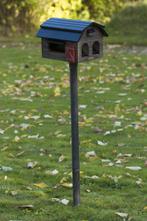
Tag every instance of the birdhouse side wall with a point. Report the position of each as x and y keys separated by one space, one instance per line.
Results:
x=50 y=49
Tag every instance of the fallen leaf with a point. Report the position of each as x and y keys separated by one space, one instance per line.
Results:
x=123 y=215
x=24 y=126
x=20 y=153
x=97 y=130
x=145 y=163
x=57 y=91
x=145 y=208
x=69 y=185
x=61 y=158
x=35 y=117
x=105 y=160
x=134 y=168
x=144 y=117
x=82 y=106
x=90 y=154
x=26 y=206
x=117 y=124
x=94 y=177
x=63 y=201
x=124 y=155
x=101 y=143
x=47 y=116
x=31 y=165
x=2 y=131
x=52 y=172
x=17 y=139
x=41 y=185
x=33 y=136
x=139 y=182
x=6 y=169
x=114 y=178
x=14 y=193
x=4 y=148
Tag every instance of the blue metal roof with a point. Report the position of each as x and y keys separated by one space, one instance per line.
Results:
x=66 y=29
x=66 y=24
x=59 y=35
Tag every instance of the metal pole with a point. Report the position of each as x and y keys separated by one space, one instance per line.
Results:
x=75 y=133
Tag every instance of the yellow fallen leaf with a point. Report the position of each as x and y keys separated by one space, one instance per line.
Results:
x=16 y=139
x=145 y=208
x=61 y=158
x=41 y=185
x=14 y=193
x=4 y=148
x=69 y=185
x=42 y=69
x=57 y=91
x=63 y=180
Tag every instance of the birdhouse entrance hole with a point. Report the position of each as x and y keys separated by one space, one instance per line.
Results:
x=85 y=50
x=57 y=47
x=90 y=32
x=96 y=47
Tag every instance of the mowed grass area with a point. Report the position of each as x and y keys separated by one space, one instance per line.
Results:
x=35 y=127
x=128 y=26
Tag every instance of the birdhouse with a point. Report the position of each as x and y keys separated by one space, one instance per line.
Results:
x=71 y=40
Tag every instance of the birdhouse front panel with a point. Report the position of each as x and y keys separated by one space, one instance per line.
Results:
x=90 y=45
x=71 y=40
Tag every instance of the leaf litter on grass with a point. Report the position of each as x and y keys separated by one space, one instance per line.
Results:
x=113 y=103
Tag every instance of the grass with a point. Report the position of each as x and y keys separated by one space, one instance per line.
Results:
x=114 y=92
x=129 y=27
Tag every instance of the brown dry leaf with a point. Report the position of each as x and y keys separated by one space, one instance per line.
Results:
x=145 y=163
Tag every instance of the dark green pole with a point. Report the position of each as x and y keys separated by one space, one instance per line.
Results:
x=75 y=133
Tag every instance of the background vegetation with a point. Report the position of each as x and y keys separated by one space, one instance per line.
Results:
x=23 y=15
x=128 y=26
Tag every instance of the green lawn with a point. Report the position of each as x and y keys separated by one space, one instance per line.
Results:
x=35 y=127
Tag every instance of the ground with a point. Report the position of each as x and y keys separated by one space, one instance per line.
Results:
x=35 y=146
